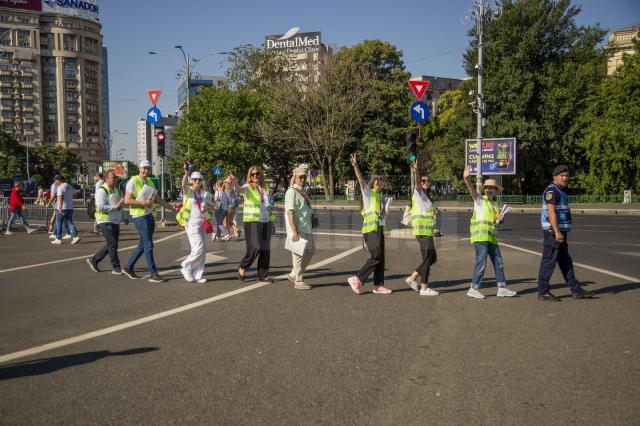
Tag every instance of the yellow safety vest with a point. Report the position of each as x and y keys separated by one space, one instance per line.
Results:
x=138 y=211
x=483 y=227
x=371 y=213
x=185 y=212
x=253 y=205
x=422 y=222
x=99 y=214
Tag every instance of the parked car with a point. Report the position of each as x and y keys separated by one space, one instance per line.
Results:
x=6 y=185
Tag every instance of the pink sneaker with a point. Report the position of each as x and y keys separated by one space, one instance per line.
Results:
x=381 y=290
x=355 y=284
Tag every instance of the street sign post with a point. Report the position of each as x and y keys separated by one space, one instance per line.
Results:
x=420 y=112
x=498 y=156
x=154 y=95
x=154 y=115
x=419 y=87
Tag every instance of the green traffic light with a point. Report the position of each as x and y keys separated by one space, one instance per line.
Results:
x=412 y=157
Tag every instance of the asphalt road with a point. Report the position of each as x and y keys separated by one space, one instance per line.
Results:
x=253 y=354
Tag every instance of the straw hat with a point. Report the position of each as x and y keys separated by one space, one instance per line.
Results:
x=491 y=182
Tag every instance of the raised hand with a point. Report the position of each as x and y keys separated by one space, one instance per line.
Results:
x=353 y=160
x=467 y=172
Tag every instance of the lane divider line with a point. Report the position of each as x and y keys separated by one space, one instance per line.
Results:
x=582 y=265
x=71 y=259
x=119 y=327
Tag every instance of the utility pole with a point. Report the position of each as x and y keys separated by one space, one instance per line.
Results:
x=480 y=99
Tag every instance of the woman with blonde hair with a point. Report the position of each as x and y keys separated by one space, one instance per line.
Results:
x=373 y=214
x=258 y=221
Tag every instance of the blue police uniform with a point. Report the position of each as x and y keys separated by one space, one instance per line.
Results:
x=552 y=252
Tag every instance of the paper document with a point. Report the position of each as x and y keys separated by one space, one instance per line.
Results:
x=505 y=209
x=146 y=193
x=298 y=247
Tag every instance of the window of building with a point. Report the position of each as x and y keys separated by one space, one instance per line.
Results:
x=4 y=54
x=5 y=40
x=6 y=103
x=70 y=73
x=27 y=104
x=5 y=18
x=7 y=126
x=27 y=69
x=24 y=19
x=28 y=115
x=5 y=67
x=27 y=126
x=49 y=72
x=28 y=92
x=7 y=114
x=46 y=41
x=70 y=42
x=27 y=79
x=6 y=91
x=49 y=60
x=24 y=38
x=6 y=78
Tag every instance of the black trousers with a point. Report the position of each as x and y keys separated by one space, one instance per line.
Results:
x=429 y=257
x=111 y=234
x=375 y=244
x=553 y=253
x=258 y=239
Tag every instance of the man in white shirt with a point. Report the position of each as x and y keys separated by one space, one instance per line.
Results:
x=109 y=202
x=64 y=206
x=98 y=181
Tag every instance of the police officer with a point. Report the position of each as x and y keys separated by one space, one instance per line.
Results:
x=556 y=224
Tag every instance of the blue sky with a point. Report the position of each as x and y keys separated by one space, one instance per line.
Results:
x=428 y=29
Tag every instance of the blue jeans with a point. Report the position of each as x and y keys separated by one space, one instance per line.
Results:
x=17 y=213
x=145 y=226
x=482 y=249
x=66 y=219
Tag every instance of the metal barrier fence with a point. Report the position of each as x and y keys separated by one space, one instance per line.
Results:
x=36 y=214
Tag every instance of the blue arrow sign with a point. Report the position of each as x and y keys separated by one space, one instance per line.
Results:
x=217 y=171
x=154 y=115
x=420 y=112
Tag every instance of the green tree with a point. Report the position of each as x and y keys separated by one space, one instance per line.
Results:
x=12 y=156
x=48 y=161
x=612 y=135
x=540 y=70
x=220 y=128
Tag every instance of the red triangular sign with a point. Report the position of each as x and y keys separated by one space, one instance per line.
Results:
x=154 y=95
x=419 y=87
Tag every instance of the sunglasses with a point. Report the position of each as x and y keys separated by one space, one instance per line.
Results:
x=302 y=177
x=254 y=174
x=491 y=187
x=197 y=180
x=425 y=180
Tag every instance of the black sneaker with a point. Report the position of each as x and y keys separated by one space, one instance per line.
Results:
x=548 y=297
x=93 y=265
x=583 y=294
x=131 y=274
x=117 y=271
x=157 y=278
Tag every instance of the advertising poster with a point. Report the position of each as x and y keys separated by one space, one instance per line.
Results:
x=119 y=167
x=498 y=156
x=87 y=9
x=33 y=5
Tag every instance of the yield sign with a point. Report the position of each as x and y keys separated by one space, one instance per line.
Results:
x=154 y=95
x=419 y=87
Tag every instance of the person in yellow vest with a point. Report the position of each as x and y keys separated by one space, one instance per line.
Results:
x=196 y=208
x=142 y=213
x=109 y=203
x=258 y=222
x=423 y=221
x=373 y=214
x=484 y=235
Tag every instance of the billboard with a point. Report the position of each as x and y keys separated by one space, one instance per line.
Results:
x=294 y=42
x=498 y=156
x=120 y=168
x=33 y=5
x=87 y=9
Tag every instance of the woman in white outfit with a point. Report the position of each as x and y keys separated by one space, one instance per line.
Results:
x=196 y=208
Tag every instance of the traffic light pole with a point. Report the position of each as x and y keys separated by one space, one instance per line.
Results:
x=162 y=188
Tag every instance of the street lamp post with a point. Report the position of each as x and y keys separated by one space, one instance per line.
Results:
x=186 y=71
x=111 y=135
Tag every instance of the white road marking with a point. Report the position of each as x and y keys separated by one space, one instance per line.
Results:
x=113 y=329
x=582 y=265
x=70 y=259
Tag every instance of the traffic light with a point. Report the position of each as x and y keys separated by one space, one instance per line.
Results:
x=412 y=145
x=160 y=137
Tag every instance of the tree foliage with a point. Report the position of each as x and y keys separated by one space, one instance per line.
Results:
x=12 y=156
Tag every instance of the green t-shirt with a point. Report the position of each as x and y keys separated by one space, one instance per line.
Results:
x=293 y=200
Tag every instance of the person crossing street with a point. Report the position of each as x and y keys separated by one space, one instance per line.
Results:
x=556 y=224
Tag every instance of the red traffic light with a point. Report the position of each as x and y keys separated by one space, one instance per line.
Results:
x=160 y=136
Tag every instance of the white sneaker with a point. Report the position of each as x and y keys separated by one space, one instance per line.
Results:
x=429 y=292
x=31 y=230
x=56 y=241
x=75 y=240
x=67 y=237
x=475 y=294
x=8 y=233
x=202 y=280
x=412 y=283
x=186 y=276
x=52 y=237
x=505 y=292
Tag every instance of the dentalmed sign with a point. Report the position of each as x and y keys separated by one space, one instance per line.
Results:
x=87 y=9
x=294 y=42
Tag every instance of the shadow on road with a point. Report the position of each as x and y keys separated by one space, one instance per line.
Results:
x=619 y=288
x=39 y=367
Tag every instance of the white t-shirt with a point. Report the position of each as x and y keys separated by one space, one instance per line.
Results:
x=131 y=187
x=225 y=200
x=53 y=191
x=98 y=185
x=108 y=204
x=264 y=206
x=67 y=192
x=196 y=218
x=424 y=202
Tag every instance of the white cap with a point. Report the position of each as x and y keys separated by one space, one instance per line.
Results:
x=197 y=175
x=145 y=163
